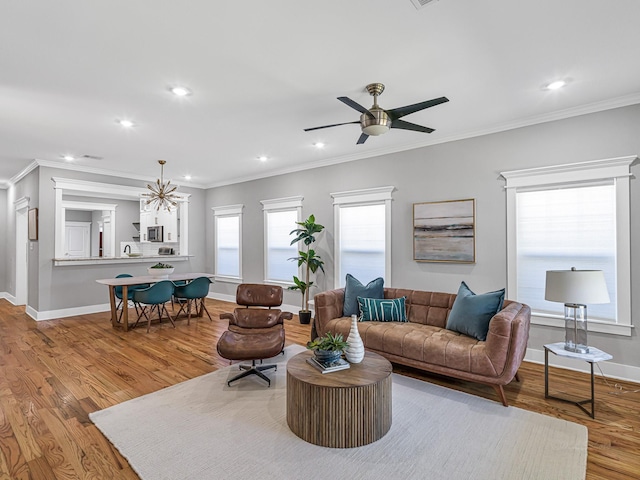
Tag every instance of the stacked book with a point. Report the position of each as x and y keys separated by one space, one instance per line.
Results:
x=339 y=364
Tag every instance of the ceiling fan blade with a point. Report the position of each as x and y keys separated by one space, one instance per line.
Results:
x=362 y=139
x=329 y=126
x=355 y=106
x=403 y=125
x=416 y=107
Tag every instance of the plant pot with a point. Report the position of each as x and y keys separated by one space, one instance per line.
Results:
x=327 y=356
x=305 y=317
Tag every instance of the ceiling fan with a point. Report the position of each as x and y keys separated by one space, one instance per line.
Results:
x=376 y=120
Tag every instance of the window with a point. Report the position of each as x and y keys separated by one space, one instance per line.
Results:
x=280 y=217
x=571 y=216
x=363 y=234
x=228 y=242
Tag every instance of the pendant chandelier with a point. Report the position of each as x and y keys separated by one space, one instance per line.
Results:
x=161 y=195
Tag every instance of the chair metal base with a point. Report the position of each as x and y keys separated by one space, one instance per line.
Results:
x=253 y=369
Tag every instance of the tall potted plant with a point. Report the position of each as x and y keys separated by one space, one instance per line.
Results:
x=308 y=259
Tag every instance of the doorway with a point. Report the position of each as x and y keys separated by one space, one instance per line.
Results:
x=77 y=237
x=22 y=253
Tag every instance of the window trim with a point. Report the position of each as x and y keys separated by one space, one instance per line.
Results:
x=278 y=205
x=613 y=169
x=362 y=197
x=227 y=211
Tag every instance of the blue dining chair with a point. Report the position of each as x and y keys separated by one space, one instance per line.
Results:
x=174 y=300
x=193 y=291
x=154 y=297
x=130 y=289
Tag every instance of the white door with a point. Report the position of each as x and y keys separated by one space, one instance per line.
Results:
x=77 y=239
x=22 y=256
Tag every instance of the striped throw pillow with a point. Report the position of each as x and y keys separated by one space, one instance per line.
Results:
x=382 y=310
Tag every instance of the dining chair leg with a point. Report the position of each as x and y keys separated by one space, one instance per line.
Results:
x=189 y=305
x=204 y=308
x=164 y=308
x=143 y=313
x=149 y=318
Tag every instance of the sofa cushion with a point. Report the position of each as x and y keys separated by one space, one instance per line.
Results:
x=383 y=310
x=471 y=313
x=354 y=289
x=422 y=343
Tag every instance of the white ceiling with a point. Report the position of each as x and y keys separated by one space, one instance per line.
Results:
x=261 y=71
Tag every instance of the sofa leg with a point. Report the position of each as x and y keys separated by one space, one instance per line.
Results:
x=500 y=392
x=517 y=377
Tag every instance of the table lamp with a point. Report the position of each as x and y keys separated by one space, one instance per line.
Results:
x=576 y=288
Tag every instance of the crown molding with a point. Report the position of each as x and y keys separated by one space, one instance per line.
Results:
x=618 y=102
x=96 y=171
x=595 y=107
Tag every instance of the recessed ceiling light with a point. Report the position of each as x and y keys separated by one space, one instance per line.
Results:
x=126 y=123
x=319 y=145
x=556 y=85
x=187 y=177
x=180 y=91
x=263 y=158
x=69 y=158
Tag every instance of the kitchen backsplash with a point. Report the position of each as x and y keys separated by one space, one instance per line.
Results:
x=145 y=248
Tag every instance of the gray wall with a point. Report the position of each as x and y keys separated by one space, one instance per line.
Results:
x=53 y=288
x=4 y=233
x=462 y=169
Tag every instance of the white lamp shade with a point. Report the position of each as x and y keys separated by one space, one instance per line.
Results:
x=576 y=286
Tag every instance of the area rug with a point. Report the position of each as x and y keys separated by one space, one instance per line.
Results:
x=203 y=429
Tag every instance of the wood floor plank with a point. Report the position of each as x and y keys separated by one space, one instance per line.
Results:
x=53 y=374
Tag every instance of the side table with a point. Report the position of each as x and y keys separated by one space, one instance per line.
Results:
x=595 y=355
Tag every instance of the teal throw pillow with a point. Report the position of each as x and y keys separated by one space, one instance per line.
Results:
x=472 y=313
x=382 y=310
x=354 y=289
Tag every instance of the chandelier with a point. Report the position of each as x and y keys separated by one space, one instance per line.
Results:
x=161 y=195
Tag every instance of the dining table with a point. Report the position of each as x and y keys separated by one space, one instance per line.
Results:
x=126 y=282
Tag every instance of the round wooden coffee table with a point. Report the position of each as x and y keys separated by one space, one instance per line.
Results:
x=343 y=409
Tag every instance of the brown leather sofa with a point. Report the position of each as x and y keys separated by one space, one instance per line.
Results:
x=424 y=343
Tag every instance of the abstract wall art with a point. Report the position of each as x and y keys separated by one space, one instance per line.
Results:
x=444 y=231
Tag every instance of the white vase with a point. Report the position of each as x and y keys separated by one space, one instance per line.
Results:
x=355 y=351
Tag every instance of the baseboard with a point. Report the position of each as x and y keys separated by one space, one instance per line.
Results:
x=610 y=369
x=7 y=296
x=66 y=312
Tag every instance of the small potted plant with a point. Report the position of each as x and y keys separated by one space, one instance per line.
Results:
x=160 y=270
x=307 y=258
x=328 y=348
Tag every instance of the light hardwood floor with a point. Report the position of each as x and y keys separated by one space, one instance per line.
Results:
x=54 y=373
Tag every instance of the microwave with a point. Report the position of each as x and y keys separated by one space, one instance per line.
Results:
x=154 y=234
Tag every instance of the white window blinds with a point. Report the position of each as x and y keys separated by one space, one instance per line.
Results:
x=559 y=228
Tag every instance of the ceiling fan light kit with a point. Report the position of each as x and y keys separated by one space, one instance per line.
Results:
x=377 y=121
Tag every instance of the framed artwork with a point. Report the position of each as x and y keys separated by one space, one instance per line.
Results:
x=444 y=231
x=33 y=224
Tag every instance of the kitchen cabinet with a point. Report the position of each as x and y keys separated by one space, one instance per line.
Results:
x=151 y=218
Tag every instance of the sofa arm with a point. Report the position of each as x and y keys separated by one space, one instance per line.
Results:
x=328 y=305
x=507 y=339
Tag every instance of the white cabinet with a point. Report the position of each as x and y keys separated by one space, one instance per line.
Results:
x=169 y=220
x=151 y=218
x=144 y=223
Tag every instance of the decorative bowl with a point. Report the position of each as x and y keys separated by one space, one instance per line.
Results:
x=160 y=272
x=327 y=356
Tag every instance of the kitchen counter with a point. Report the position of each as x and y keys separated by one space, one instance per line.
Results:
x=62 y=262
